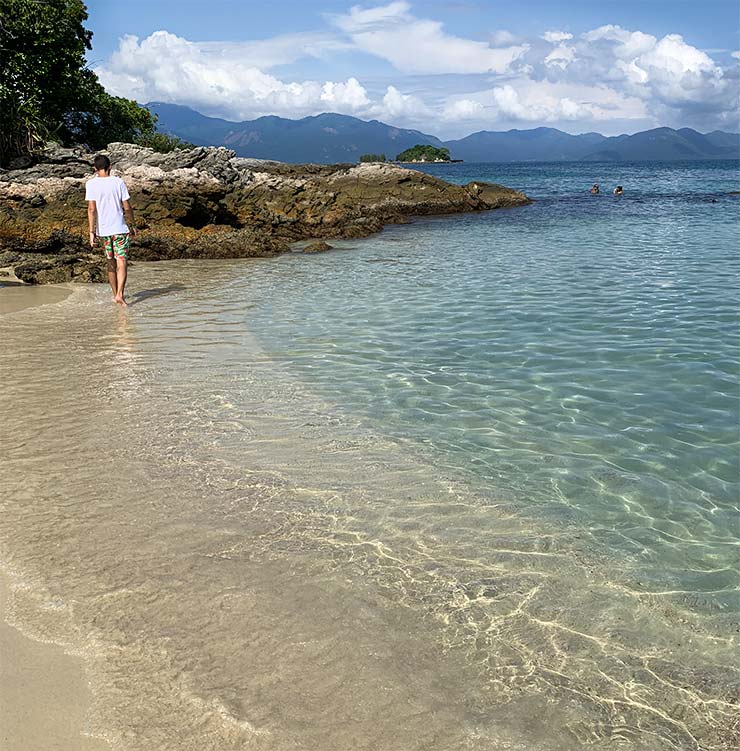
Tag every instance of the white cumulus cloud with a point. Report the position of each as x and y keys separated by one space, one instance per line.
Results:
x=400 y=107
x=561 y=56
x=547 y=102
x=676 y=81
x=556 y=36
x=668 y=69
x=463 y=109
x=624 y=44
x=342 y=94
x=416 y=45
x=219 y=79
x=678 y=72
x=542 y=108
x=606 y=78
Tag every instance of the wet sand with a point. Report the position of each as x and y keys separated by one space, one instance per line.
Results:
x=15 y=295
x=44 y=694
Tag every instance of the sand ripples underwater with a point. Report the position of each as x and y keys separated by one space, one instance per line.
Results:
x=440 y=491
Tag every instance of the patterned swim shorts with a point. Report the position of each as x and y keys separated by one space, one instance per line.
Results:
x=116 y=245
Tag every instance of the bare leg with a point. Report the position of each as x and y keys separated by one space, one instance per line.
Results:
x=121 y=267
x=112 y=277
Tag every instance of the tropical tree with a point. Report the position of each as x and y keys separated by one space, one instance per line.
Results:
x=46 y=89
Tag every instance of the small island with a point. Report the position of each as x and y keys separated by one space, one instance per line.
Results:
x=419 y=153
x=424 y=153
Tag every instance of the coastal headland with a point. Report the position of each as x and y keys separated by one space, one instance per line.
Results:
x=206 y=202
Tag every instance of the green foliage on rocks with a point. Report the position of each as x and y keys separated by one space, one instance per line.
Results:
x=47 y=92
x=424 y=153
x=372 y=158
x=162 y=142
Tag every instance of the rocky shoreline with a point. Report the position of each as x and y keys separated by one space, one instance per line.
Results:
x=207 y=203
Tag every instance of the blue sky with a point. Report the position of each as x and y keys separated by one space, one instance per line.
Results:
x=446 y=67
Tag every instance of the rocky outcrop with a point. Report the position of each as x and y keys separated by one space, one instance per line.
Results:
x=207 y=203
x=61 y=257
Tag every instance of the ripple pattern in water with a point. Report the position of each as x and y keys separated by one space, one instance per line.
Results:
x=589 y=367
x=473 y=486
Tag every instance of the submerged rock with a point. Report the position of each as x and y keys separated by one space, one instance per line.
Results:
x=317 y=247
x=207 y=203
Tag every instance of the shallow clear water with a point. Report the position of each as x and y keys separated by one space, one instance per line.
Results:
x=581 y=353
x=470 y=483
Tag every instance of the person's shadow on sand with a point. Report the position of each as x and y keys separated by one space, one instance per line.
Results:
x=145 y=294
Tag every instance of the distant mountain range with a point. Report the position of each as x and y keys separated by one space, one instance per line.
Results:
x=551 y=145
x=324 y=138
x=332 y=138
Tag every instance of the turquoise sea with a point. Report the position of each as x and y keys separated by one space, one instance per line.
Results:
x=582 y=351
x=470 y=483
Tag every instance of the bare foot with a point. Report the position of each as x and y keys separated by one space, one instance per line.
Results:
x=118 y=299
x=123 y=303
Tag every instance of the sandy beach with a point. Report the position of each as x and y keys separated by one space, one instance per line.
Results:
x=43 y=692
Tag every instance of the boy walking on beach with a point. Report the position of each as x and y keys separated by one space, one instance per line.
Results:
x=107 y=200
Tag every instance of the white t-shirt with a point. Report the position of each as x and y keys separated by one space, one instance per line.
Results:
x=108 y=193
